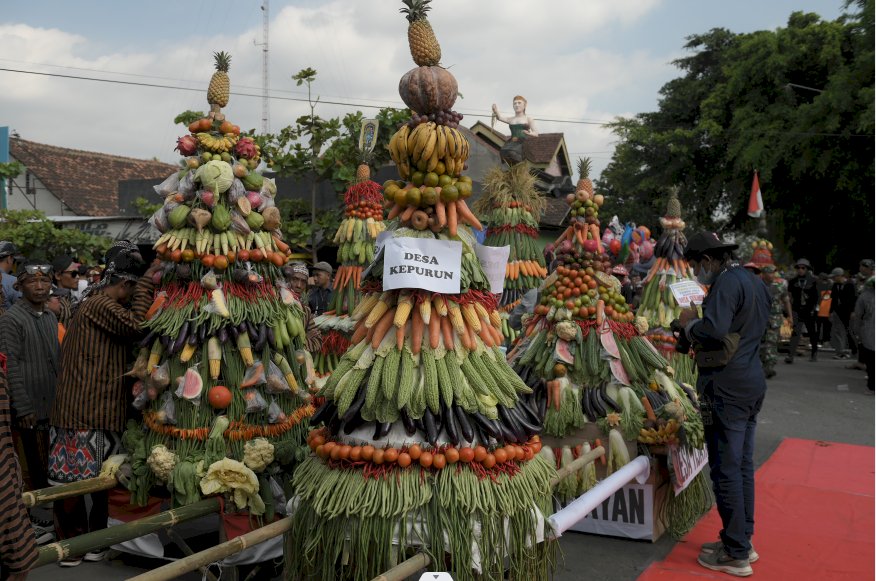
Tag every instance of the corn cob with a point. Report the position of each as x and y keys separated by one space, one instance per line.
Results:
x=471 y=317
x=403 y=310
x=379 y=309
x=455 y=315
x=426 y=311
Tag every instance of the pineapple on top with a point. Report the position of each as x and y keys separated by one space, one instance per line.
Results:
x=425 y=49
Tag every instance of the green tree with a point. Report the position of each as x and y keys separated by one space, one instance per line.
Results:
x=38 y=237
x=795 y=103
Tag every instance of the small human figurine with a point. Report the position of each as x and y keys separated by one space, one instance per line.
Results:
x=521 y=124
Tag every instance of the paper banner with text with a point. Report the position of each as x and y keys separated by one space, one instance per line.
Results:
x=494 y=260
x=687 y=292
x=428 y=264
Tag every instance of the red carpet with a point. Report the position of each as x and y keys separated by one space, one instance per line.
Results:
x=814 y=518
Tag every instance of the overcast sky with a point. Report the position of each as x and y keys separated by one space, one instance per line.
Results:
x=578 y=62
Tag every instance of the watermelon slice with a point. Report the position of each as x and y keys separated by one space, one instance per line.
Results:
x=608 y=341
x=190 y=385
x=618 y=371
x=563 y=353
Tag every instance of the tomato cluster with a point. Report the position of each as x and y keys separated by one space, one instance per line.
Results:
x=364 y=210
x=578 y=291
x=436 y=458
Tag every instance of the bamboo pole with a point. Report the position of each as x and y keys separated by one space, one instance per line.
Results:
x=185 y=548
x=52 y=493
x=577 y=464
x=213 y=554
x=104 y=538
x=406 y=568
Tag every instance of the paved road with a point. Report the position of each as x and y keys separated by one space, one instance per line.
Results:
x=820 y=401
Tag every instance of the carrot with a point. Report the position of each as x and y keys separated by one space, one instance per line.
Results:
x=508 y=270
x=451 y=219
x=597 y=443
x=498 y=338
x=400 y=337
x=471 y=336
x=281 y=246
x=359 y=332
x=649 y=411
x=441 y=213
x=416 y=331
x=600 y=311
x=358 y=276
x=382 y=327
x=579 y=234
x=156 y=305
x=395 y=211
x=486 y=336
x=434 y=331
x=406 y=215
x=466 y=340
x=594 y=230
x=446 y=330
x=466 y=215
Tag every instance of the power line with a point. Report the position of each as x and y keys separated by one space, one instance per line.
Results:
x=237 y=94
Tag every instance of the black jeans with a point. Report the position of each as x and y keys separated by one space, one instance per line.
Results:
x=730 y=441
x=72 y=518
x=799 y=322
x=869 y=357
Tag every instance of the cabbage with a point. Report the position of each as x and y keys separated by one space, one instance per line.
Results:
x=215 y=175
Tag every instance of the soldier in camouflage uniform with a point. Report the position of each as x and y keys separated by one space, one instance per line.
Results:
x=779 y=309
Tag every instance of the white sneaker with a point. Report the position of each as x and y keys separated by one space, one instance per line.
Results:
x=94 y=556
x=71 y=562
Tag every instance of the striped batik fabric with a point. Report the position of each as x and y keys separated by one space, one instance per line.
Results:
x=94 y=357
x=18 y=549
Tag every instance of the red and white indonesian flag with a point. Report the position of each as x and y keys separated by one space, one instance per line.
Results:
x=755 y=200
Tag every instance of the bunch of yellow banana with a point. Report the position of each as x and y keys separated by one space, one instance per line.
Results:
x=427 y=144
x=217 y=144
x=666 y=433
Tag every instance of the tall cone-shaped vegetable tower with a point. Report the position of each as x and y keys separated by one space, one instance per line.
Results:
x=425 y=440
x=511 y=206
x=356 y=238
x=585 y=355
x=222 y=377
x=658 y=305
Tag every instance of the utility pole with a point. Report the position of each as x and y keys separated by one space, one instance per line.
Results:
x=266 y=23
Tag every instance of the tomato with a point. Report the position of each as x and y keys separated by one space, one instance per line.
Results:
x=500 y=455
x=426 y=459
x=480 y=453
x=466 y=455
x=356 y=453
x=344 y=452
x=219 y=397
x=489 y=461
x=176 y=255
x=367 y=452
x=207 y=260
x=570 y=305
x=415 y=451
x=256 y=255
x=188 y=255
x=243 y=255
x=379 y=456
x=404 y=459
x=452 y=455
x=390 y=455
x=438 y=461
x=220 y=262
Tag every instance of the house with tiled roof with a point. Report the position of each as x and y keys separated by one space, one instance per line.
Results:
x=549 y=157
x=80 y=189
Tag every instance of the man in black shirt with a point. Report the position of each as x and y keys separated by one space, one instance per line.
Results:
x=319 y=297
x=804 y=301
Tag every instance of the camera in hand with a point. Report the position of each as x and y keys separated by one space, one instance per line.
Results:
x=682 y=343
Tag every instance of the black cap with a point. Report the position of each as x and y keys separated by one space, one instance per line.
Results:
x=7 y=248
x=706 y=243
x=62 y=263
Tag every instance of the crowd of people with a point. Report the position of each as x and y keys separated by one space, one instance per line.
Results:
x=67 y=333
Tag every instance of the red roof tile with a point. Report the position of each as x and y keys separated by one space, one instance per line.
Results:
x=86 y=181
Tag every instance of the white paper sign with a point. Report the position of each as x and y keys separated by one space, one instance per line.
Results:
x=687 y=292
x=494 y=260
x=381 y=240
x=428 y=264
x=686 y=464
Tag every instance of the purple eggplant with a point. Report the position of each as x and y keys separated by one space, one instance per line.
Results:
x=180 y=338
x=148 y=339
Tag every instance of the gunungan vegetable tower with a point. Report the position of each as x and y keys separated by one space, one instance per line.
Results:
x=222 y=375
x=425 y=444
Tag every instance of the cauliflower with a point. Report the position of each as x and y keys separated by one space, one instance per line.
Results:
x=161 y=461
x=257 y=454
x=567 y=330
x=229 y=475
x=641 y=325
